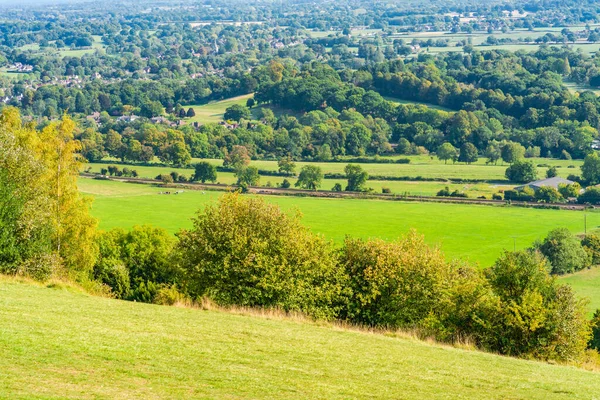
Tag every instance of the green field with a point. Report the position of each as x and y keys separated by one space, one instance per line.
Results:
x=476 y=233
x=61 y=343
x=586 y=284
x=420 y=166
x=213 y=112
x=416 y=188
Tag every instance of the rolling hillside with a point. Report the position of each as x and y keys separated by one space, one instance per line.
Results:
x=60 y=343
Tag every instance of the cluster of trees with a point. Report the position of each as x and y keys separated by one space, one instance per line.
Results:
x=45 y=228
x=494 y=105
x=244 y=251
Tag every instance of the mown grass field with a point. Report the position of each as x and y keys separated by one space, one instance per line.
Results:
x=60 y=343
x=213 y=112
x=471 y=232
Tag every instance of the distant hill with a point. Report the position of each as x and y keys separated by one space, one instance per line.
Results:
x=61 y=343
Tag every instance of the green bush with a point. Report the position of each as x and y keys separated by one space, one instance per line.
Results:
x=408 y=284
x=113 y=273
x=533 y=316
x=244 y=251
x=147 y=256
x=564 y=252
x=590 y=196
x=591 y=244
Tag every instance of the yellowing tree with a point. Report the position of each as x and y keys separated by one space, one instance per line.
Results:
x=43 y=219
x=74 y=227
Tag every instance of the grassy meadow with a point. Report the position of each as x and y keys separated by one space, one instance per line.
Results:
x=57 y=342
x=213 y=111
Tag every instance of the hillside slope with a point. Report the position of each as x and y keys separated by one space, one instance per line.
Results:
x=57 y=343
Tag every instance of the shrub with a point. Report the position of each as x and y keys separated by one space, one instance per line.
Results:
x=146 y=254
x=551 y=172
x=564 y=252
x=165 y=178
x=526 y=194
x=113 y=273
x=336 y=188
x=533 y=316
x=386 y=190
x=591 y=244
x=409 y=284
x=496 y=196
x=548 y=194
x=591 y=196
x=571 y=190
x=285 y=184
x=169 y=295
x=244 y=251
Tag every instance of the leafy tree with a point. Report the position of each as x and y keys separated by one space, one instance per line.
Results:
x=548 y=194
x=286 y=165
x=512 y=152
x=533 y=315
x=176 y=153
x=245 y=251
x=204 y=171
x=357 y=177
x=468 y=153
x=446 y=152
x=248 y=176
x=493 y=153
x=151 y=109
x=238 y=158
x=190 y=113
x=236 y=112
x=591 y=244
x=564 y=252
x=336 y=188
x=74 y=227
x=570 y=190
x=310 y=177
x=590 y=170
x=285 y=184
x=521 y=172
x=25 y=219
x=590 y=196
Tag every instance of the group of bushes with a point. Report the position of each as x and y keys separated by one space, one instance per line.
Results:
x=447 y=193
x=246 y=252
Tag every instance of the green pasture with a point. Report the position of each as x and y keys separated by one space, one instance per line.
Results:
x=57 y=342
x=470 y=232
x=416 y=188
x=586 y=284
x=419 y=166
x=213 y=111
x=400 y=101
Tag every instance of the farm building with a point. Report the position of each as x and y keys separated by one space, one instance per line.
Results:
x=552 y=182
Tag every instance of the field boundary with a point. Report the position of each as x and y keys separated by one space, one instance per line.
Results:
x=260 y=190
